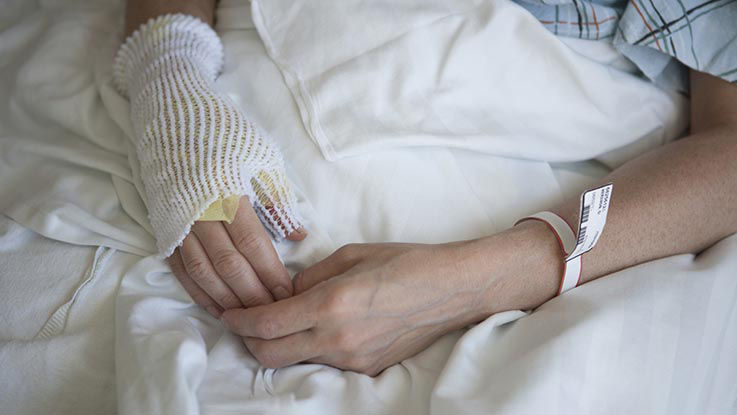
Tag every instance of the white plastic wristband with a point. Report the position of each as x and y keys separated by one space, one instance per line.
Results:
x=567 y=240
x=591 y=220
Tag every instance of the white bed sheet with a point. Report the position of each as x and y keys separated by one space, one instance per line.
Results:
x=657 y=338
x=57 y=331
x=481 y=75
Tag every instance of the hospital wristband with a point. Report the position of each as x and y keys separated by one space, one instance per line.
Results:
x=566 y=237
x=592 y=216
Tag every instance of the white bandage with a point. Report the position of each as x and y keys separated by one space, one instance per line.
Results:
x=193 y=144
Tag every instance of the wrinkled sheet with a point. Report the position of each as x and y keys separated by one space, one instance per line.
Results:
x=117 y=331
x=482 y=75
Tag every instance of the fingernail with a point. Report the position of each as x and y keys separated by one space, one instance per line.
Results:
x=297 y=235
x=281 y=293
x=214 y=311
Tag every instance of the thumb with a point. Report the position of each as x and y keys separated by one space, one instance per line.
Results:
x=335 y=264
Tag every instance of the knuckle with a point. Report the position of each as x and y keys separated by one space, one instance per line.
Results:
x=251 y=299
x=198 y=270
x=338 y=301
x=249 y=242
x=228 y=301
x=265 y=328
x=228 y=264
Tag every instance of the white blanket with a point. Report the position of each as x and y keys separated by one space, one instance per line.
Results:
x=658 y=338
x=482 y=75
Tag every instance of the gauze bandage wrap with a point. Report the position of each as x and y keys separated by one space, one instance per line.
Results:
x=193 y=144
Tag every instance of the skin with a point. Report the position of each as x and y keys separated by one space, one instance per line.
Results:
x=369 y=306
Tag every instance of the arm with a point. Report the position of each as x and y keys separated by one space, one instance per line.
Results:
x=137 y=12
x=680 y=198
x=368 y=306
x=222 y=264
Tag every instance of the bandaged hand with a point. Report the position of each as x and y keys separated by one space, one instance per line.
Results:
x=231 y=265
x=194 y=147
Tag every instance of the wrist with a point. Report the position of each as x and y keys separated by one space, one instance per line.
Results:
x=519 y=268
x=164 y=47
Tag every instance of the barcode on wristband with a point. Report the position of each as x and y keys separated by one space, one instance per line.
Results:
x=581 y=236
x=585 y=214
x=592 y=218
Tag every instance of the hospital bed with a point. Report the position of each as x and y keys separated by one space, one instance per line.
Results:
x=94 y=322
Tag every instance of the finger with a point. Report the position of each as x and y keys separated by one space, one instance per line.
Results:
x=198 y=295
x=335 y=264
x=297 y=235
x=230 y=265
x=250 y=238
x=274 y=320
x=283 y=351
x=200 y=269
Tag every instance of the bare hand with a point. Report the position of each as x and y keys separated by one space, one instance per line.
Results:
x=367 y=307
x=224 y=266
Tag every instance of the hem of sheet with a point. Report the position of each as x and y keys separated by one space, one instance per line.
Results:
x=301 y=96
x=56 y=324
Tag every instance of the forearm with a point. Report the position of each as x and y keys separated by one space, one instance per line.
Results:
x=680 y=198
x=137 y=12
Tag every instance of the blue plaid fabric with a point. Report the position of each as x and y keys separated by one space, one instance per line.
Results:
x=662 y=37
